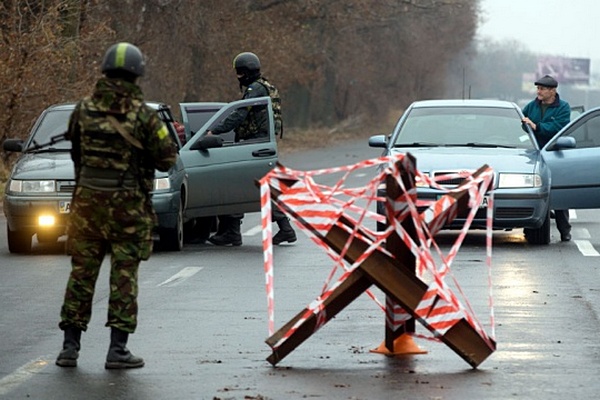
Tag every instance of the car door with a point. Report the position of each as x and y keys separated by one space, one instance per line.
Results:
x=575 y=176
x=195 y=115
x=222 y=179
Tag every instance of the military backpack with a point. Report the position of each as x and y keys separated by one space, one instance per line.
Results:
x=276 y=103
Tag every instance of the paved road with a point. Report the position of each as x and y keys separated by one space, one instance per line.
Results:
x=203 y=323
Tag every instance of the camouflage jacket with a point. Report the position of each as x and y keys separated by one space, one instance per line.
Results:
x=121 y=210
x=97 y=144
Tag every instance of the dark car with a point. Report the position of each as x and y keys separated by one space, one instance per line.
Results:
x=452 y=136
x=37 y=196
x=223 y=172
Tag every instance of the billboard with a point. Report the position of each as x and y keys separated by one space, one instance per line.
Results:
x=570 y=71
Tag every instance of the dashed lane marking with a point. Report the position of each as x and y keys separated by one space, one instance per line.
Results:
x=181 y=276
x=586 y=248
x=21 y=375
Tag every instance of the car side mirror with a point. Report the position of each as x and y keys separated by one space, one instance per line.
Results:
x=378 y=141
x=13 y=145
x=207 y=142
x=564 y=142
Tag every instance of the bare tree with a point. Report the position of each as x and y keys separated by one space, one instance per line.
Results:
x=45 y=62
x=333 y=61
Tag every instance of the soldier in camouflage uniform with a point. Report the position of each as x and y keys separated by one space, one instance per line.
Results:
x=117 y=143
x=251 y=123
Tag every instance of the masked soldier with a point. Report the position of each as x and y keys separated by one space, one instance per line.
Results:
x=117 y=143
x=251 y=123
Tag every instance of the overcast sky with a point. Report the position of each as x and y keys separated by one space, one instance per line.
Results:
x=554 y=27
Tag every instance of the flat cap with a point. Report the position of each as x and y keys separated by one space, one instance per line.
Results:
x=546 y=81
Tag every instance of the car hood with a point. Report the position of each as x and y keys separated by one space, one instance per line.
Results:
x=44 y=166
x=431 y=159
x=57 y=166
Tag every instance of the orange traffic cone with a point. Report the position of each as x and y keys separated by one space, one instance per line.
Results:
x=403 y=345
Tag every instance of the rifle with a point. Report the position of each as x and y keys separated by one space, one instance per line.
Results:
x=53 y=140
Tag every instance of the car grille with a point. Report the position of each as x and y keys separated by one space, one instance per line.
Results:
x=516 y=212
x=448 y=182
x=65 y=186
x=452 y=182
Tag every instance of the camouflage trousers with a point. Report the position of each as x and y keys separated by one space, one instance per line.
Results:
x=86 y=259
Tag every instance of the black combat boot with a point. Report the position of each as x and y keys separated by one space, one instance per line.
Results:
x=286 y=232
x=71 y=345
x=231 y=234
x=119 y=357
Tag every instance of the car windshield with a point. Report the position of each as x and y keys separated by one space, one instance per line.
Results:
x=54 y=123
x=463 y=126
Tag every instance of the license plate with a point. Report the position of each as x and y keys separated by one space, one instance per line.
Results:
x=64 y=207
x=484 y=202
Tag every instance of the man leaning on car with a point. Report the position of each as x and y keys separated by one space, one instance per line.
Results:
x=546 y=115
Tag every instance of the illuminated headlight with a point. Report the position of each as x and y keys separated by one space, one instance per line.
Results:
x=46 y=220
x=519 y=181
x=32 y=186
x=162 y=184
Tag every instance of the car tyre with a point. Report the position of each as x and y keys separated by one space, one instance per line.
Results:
x=18 y=241
x=171 y=239
x=199 y=229
x=541 y=235
x=381 y=226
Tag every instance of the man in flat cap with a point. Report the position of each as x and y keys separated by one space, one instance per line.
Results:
x=546 y=115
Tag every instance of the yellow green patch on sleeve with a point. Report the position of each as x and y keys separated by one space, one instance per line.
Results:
x=163 y=132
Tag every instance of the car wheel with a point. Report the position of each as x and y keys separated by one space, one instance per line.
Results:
x=540 y=235
x=171 y=239
x=199 y=229
x=18 y=241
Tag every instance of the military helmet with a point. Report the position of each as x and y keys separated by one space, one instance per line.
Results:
x=248 y=61
x=124 y=57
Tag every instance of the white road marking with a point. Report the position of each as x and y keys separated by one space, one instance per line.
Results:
x=582 y=233
x=17 y=378
x=181 y=276
x=586 y=248
x=572 y=214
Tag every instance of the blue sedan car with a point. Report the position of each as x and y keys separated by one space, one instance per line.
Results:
x=453 y=136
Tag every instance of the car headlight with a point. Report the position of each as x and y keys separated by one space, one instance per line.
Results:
x=20 y=186
x=519 y=181
x=162 y=184
x=419 y=182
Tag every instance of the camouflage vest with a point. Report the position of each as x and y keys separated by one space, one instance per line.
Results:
x=105 y=154
x=276 y=105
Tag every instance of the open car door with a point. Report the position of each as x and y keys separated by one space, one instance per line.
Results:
x=221 y=171
x=573 y=157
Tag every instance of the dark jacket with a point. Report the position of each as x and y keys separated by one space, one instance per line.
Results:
x=557 y=115
x=247 y=122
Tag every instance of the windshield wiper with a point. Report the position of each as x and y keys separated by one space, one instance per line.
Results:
x=490 y=145
x=47 y=150
x=417 y=144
